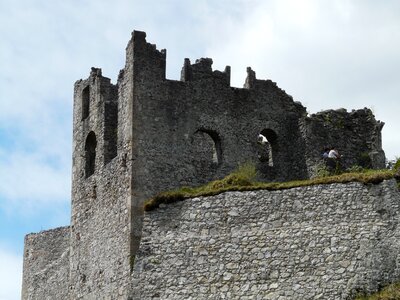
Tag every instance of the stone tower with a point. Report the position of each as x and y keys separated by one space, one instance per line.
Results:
x=147 y=134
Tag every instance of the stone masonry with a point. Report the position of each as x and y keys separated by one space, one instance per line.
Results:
x=47 y=259
x=318 y=242
x=147 y=134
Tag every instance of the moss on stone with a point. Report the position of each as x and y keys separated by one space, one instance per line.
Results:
x=243 y=180
x=397 y=165
x=391 y=292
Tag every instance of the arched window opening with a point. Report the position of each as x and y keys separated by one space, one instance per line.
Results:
x=208 y=147
x=266 y=146
x=90 y=154
x=85 y=102
x=216 y=146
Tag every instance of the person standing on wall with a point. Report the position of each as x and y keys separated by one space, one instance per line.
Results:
x=333 y=153
x=333 y=161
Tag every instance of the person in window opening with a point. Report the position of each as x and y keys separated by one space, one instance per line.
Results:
x=264 y=150
x=333 y=153
x=261 y=139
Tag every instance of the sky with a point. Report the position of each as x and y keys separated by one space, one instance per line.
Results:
x=326 y=54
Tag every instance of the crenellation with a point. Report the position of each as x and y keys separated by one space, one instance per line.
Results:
x=202 y=70
x=148 y=134
x=250 y=79
x=227 y=73
x=148 y=62
x=95 y=72
x=186 y=72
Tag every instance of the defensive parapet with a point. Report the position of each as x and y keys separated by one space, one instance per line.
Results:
x=200 y=128
x=202 y=70
x=147 y=134
x=356 y=134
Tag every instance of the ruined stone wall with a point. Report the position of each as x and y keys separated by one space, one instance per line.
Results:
x=100 y=240
x=148 y=134
x=356 y=135
x=317 y=242
x=200 y=128
x=46 y=265
x=101 y=189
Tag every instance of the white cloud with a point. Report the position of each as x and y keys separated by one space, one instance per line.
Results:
x=28 y=181
x=327 y=55
x=340 y=54
x=10 y=275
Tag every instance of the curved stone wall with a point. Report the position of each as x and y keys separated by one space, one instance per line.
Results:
x=317 y=242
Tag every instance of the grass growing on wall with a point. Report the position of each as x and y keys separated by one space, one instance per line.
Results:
x=391 y=292
x=243 y=179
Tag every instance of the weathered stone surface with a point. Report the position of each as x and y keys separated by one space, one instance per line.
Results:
x=46 y=265
x=148 y=134
x=317 y=242
x=355 y=134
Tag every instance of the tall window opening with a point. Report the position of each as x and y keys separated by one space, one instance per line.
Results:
x=85 y=102
x=267 y=146
x=90 y=154
x=111 y=127
x=207 y=151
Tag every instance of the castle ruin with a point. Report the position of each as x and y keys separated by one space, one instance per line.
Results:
x=148 y=134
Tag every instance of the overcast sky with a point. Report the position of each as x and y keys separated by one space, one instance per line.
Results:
x=326 y=54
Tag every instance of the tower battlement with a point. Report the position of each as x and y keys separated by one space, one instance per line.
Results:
x=147 y=134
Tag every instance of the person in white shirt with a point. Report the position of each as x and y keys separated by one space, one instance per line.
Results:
x=333 y=153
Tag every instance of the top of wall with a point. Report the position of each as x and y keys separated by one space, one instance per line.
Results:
x=46 y=264
x=316 y=242
x=203 y=127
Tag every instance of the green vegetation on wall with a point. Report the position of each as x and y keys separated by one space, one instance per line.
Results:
x=243 y=179
x=391 y=292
